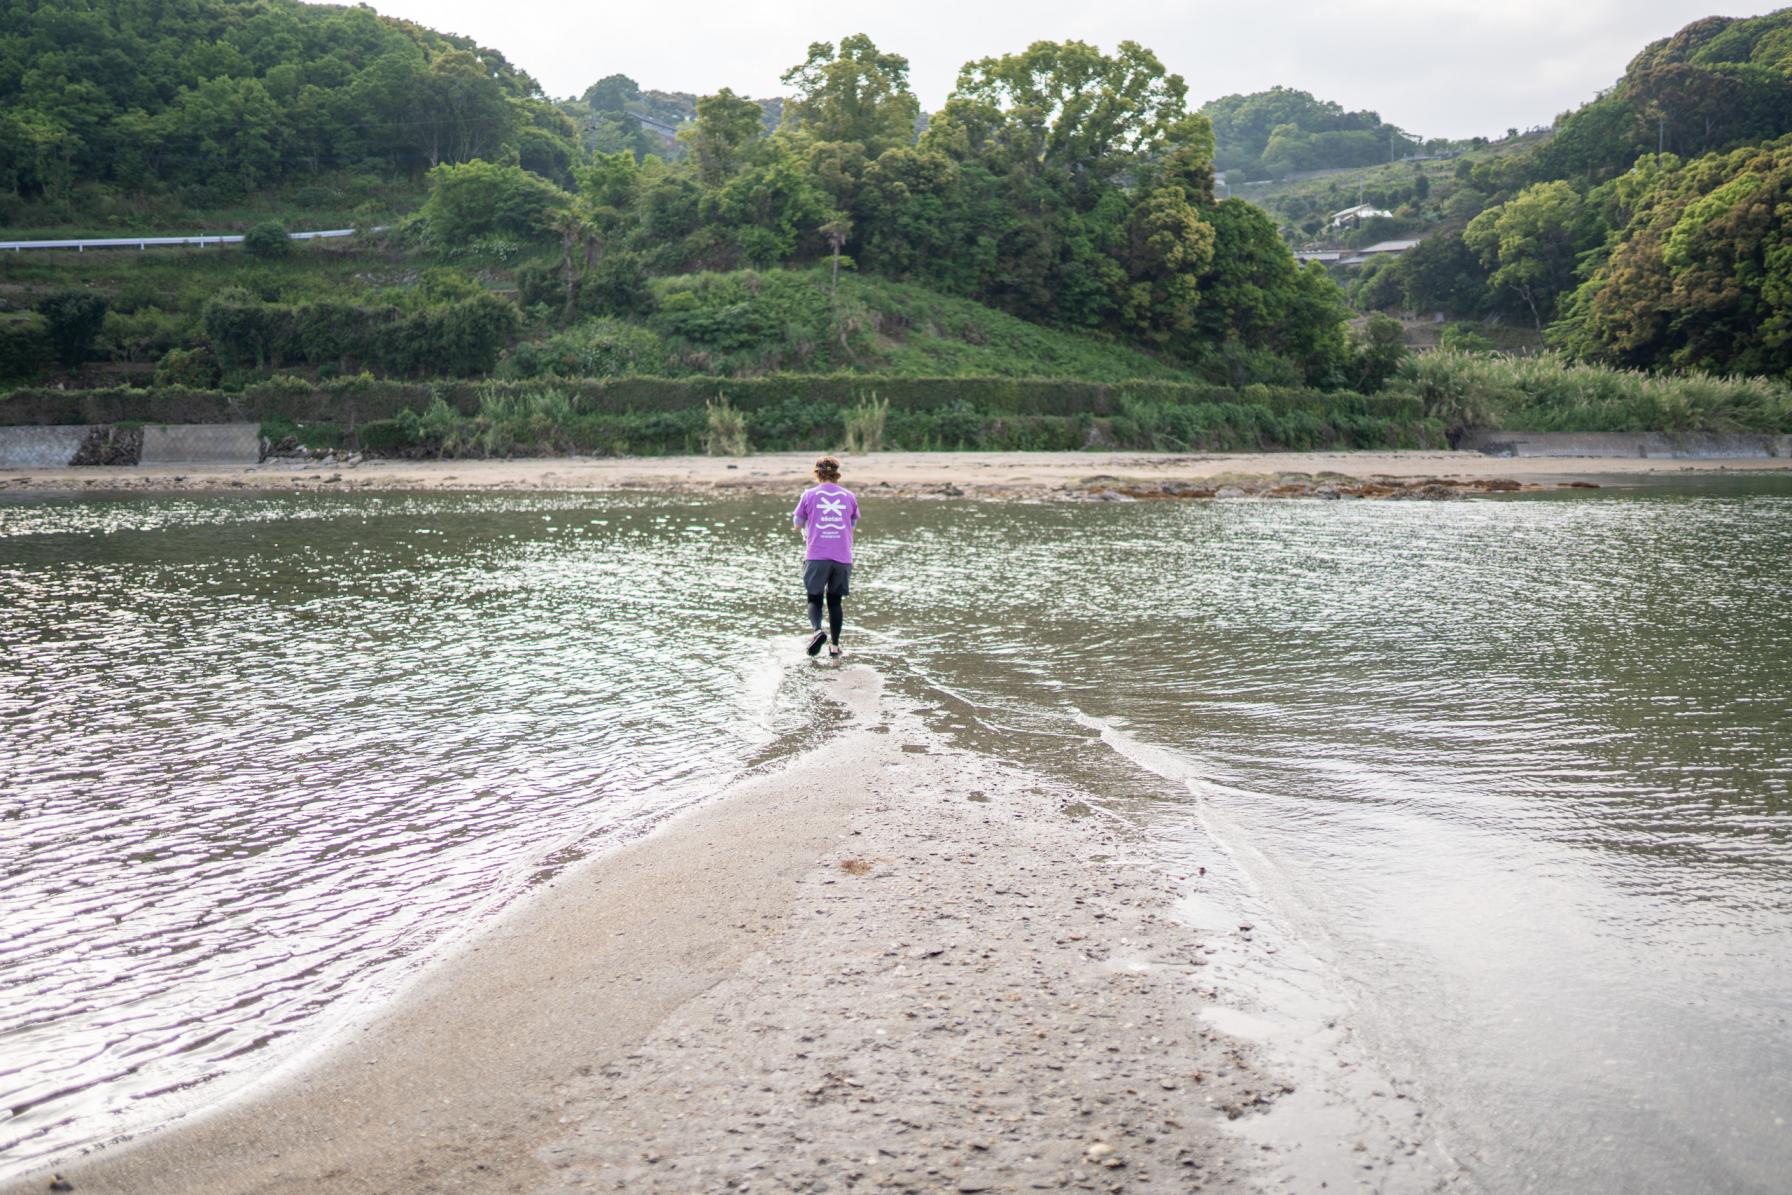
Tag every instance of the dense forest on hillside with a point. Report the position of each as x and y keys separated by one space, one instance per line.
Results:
x=1272 y=133
x=1056 y=218
x=616 y=114
x=1646 y=230
x=218 y=96
x=1062 y=185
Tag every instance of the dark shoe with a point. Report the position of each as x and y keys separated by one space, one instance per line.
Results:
x=819 y=638
x=834 y=652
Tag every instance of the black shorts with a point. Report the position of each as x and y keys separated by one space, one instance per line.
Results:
x=826 y=577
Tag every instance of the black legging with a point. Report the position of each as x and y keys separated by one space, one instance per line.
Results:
x=836 y=615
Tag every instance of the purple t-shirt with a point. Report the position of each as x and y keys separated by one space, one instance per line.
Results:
x=827 y=514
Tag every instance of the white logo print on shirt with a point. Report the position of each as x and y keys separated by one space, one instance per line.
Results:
x=831 y=520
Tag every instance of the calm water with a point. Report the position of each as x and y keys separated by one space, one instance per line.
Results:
x=1511 y=778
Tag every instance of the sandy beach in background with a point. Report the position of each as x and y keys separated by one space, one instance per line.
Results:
x=893 y=965
x=971 y=474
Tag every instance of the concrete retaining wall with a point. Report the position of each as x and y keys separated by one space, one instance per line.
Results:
x=54 y=447
x=1666 y=446
x=39 y=447
x=202 y=444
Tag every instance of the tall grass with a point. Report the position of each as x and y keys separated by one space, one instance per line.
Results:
x=865 y=425
x=1550 y=393
x=726 y=432
x=534 y=422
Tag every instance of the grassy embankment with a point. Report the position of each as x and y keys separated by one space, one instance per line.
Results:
x=794 y=360
x=797 y=365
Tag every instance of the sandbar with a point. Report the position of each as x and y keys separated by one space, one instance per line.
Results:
x=891 y=964
x=998 y=475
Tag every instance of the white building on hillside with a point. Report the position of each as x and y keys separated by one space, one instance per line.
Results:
x=1359 y=213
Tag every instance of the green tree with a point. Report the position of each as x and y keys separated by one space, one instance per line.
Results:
x=224 y=131
x=72 y=320
x=859 y=94
x=467 y=114
x=225 y=95
x=612 y=93
x=1531 y=243
x=1441 y=273
x=1701 y=275
x=1255 y=297
x=727 y=129
x=1064 y=111
x=771 y=207
x=911 y=212
x=481 y=198
x=1169 y=246
x=1272 y=132
x=1380 y=347
x=835 y=232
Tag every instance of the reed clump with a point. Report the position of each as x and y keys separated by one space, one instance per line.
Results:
x=865 y=425
x=1550 y=393
x=726 y=428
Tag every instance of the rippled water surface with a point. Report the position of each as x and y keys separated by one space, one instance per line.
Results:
x=1515 y=773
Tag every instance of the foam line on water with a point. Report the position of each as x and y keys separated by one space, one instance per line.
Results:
x=1273 y=985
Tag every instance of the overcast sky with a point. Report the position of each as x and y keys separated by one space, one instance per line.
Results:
x=1451 y=68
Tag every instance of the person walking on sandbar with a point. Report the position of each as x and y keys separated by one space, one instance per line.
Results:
x=826 y=515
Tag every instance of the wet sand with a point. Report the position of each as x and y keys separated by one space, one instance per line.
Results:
x=971 y=474
x=894 y=965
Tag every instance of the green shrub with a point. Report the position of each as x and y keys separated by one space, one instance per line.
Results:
x=617 y=285
x=1455 y=388
x=439 y=428
x=1463 y=338
x=596 y=348
x=480 y=205
x=727 y=429
x=193 y=368
x=144 y=335
x=460 y=338
x=24 y=347
x=268 y=242
x=384 y=437
x=72 y=319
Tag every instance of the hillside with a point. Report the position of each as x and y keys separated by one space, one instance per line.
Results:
x=1648 y=231
x=1425 y=194
x=1111 y=233
x=1009 y=235
x=1268 y=134
x=750 y=323
x=615 y=114
x=231 y=317
x=1718 y=83
x=206 y=101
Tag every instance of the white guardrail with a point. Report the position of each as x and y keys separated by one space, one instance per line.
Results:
x=81 y=246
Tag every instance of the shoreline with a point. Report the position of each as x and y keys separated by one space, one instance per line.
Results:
x=893 y=965
x=989 y=475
